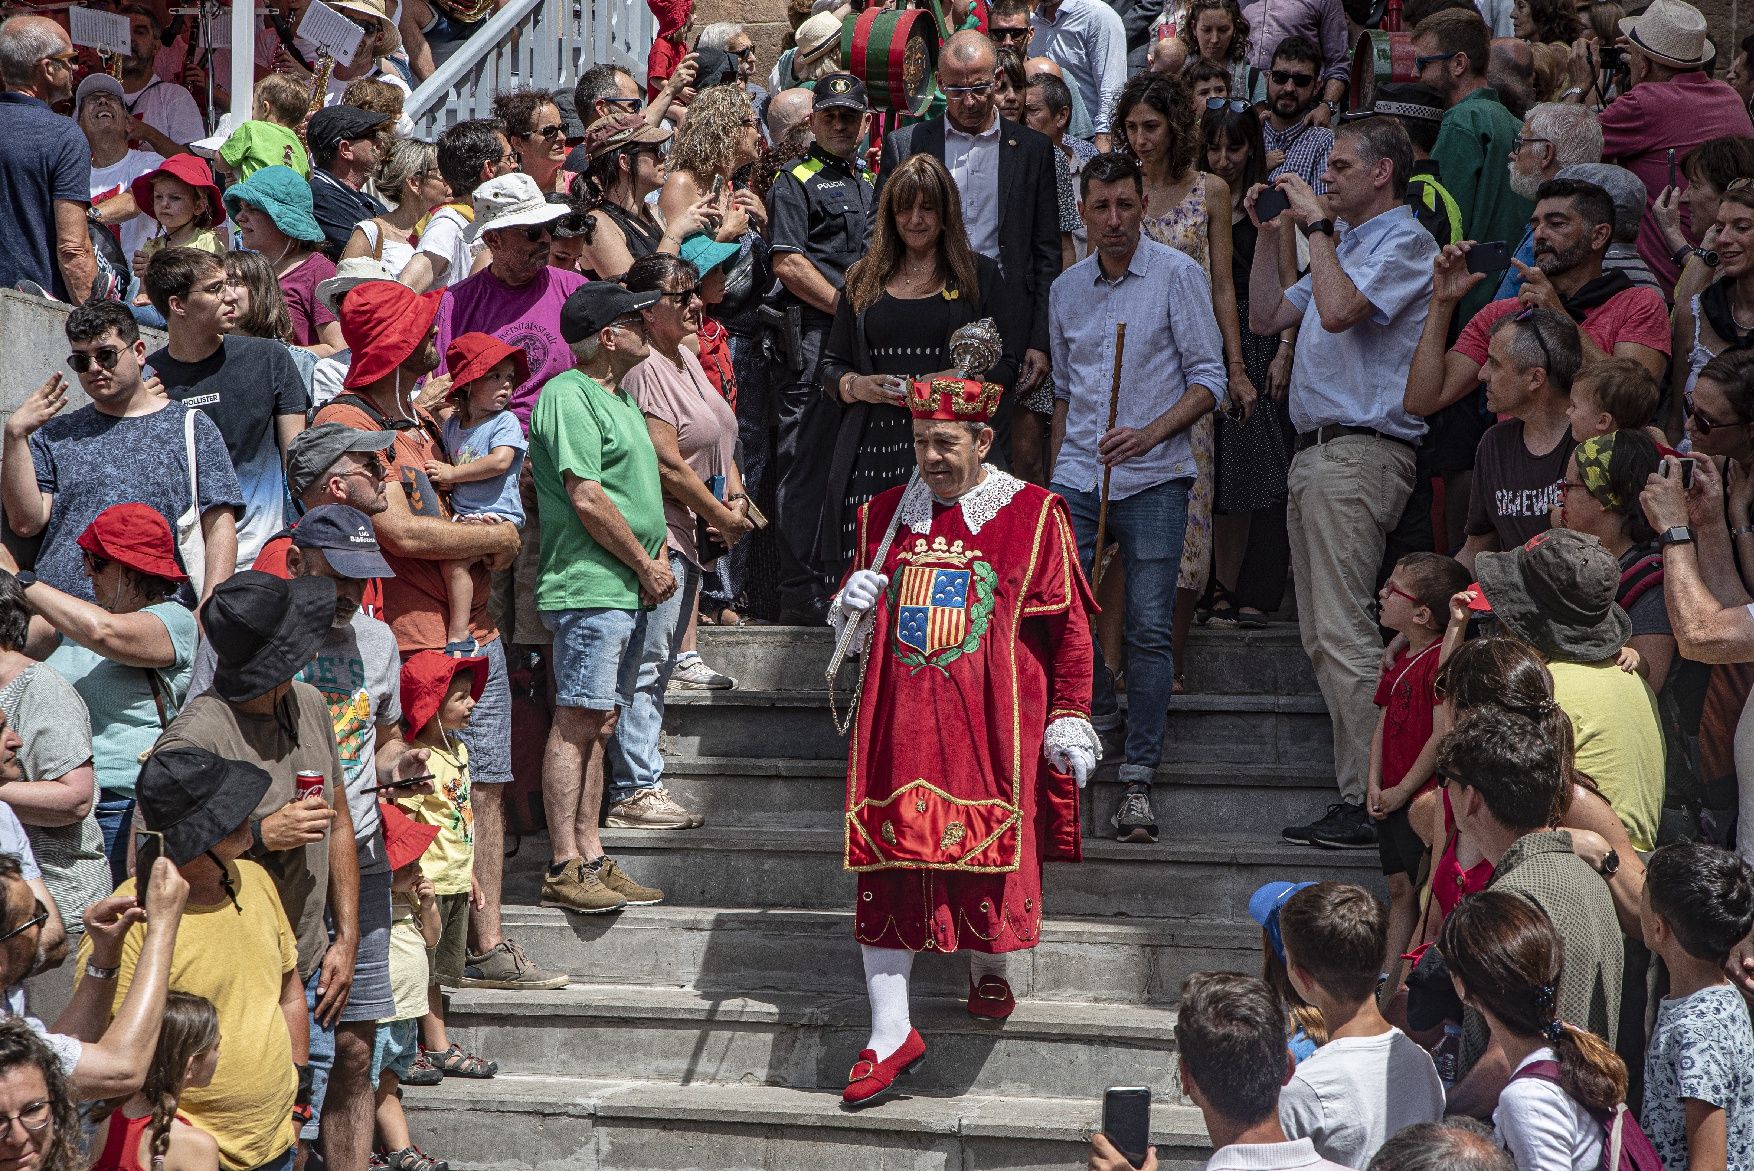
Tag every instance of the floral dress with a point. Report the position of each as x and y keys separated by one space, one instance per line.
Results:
x=1184 y=227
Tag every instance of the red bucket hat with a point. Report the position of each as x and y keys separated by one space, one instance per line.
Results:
x=405 y=839
x=136 y=536
x=472 y=355
x=191 y=169
x=383 y=323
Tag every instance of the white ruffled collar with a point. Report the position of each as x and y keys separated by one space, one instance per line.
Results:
x=979 y=504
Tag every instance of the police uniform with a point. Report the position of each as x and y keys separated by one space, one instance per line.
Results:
x=821 y=206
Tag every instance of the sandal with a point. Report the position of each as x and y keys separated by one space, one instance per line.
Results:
x=422 y=1072
x=414 y=1159
x=1221 y=611
x=1249 y=619
x=453 y=1062
x=725 y=616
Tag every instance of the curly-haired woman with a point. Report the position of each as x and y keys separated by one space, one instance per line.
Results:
x=720 y=136
x=1155 y=119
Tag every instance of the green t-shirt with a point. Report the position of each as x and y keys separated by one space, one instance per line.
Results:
x=579 y=427
x=255 y=145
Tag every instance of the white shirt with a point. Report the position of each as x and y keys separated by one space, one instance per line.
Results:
x=973 y=161
x=1088 y=41
x=327 y=377
x=168 y=109
x=1296 y=1155
x=447 y=236
x=1543 y=1128
x=111 y=181
x=1357 y=1091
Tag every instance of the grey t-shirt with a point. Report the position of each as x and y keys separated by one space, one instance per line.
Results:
x=358 y=672
x=51 y=719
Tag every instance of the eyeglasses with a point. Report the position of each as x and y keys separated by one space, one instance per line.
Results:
x=1527 y=317
x=1285 y=77
x=508 y=159
x=34 y=1117
x=1009 y=34
x=107 y=357
x=968 y=91
x=36 y=920
x=633 y=323
x=1419 y=63
x=1564 y=486
x=1704 y=424
x=373 y=469
x=1397 y=592
x=64 y=60
x=548 y=132
x=1518 y=145
x=1234 y=105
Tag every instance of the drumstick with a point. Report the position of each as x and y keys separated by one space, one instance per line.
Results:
x=1114 y=406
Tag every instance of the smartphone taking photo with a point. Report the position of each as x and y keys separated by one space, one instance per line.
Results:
x=148 y=848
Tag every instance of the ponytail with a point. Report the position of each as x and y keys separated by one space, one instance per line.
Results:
x=1589 y=1069
x=164 y=1113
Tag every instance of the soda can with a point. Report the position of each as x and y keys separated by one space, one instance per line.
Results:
x=307 y=783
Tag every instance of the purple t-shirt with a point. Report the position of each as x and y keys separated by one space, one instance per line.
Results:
x=300 y=289
x=527 y=317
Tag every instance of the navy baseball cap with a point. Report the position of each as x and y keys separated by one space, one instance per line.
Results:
x=1264 y=907
x=840 y=89
x=345 y=536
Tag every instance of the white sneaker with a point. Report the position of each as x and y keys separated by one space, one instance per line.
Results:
x=692 y=674
x=652 y=808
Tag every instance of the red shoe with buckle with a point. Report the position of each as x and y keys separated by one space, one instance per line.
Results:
x=991 y=998
x=871 y=1079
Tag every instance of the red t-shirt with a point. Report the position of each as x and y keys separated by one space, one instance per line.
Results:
x=272 y=559
x=1407 y=693
x=1638 y=315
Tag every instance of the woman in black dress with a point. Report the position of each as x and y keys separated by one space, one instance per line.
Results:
x=918 y=284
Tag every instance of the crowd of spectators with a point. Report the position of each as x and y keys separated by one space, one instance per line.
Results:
x=1451 y=369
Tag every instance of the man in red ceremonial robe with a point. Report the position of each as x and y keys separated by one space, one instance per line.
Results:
x=972 y=734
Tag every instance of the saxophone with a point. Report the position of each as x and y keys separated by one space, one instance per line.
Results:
x=320 y=72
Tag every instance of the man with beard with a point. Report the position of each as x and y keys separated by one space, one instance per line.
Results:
x=45 y=164
x=1295 y=143
x=1554 y=135
x=165 y=116
x=333 y=464
x=1573 y=225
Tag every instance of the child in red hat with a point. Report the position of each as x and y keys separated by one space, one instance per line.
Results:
x=486 y=445
x=414 y=927
x=183 y=198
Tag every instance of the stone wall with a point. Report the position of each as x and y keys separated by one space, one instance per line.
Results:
x=36 y=345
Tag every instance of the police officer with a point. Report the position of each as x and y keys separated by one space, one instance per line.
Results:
x=819 y=223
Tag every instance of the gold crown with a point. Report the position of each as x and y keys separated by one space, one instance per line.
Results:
x=954 y=398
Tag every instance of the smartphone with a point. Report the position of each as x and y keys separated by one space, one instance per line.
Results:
x=1685 y=464
x=719 y=180
x=1126 y=1120
x=148 y=847
x=409 y=783
x=1270 y=203
x=1493 y=256
x=1671 y=166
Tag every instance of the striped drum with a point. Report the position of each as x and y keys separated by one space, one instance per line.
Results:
x=895 y=53
x=1380 y=57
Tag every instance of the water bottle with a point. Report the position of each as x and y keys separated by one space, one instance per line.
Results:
x=1447 y=1055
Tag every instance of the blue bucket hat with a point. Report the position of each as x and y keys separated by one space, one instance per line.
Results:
x=1264 y=907
x=283 y=197
x=706 y=253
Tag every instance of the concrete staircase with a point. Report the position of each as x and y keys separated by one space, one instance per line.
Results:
x=715 y=1031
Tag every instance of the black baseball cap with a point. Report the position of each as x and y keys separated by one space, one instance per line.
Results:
x=843 y=90
x=346 y=537
x=335 y=125
x=593 y=306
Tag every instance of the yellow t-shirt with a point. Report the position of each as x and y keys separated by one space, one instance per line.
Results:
x=1619 y=740
x=206 y=239
x=237 y=961
x=450 y=860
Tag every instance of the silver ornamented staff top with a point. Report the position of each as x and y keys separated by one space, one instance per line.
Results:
x=976 y=348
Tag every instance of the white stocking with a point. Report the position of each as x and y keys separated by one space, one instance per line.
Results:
x=886 y=975
x=982 y=964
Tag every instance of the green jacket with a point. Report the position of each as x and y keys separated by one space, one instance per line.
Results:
x=1473 y=155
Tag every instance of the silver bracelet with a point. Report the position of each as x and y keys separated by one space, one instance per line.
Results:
x=1742 y=531
x=97 y=973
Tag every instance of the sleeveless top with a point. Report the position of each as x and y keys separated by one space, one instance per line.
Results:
x=122 y=1143
x=1184 y=226
x=640 y=234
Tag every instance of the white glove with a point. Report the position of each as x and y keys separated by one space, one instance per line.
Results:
x=862 y=590
x=1072 y=746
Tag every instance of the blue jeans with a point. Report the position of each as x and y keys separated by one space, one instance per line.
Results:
x=1148 y=526
x=634 y=760
x=321 y=1061
x=114 y=815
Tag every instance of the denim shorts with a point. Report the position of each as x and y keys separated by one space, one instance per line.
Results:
x=489 y=730
x=396 y=1046
x=596 y=656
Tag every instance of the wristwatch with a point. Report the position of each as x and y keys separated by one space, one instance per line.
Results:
x=1610 y=863
x=1333 y=108
x=1324 y=226
x=1708 y=256
x=25 y=579
x=97 y=973
x=1679 y=535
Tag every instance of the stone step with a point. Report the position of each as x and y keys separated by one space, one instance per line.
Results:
x=1201 y=728
x=746 y=952
x=530 y=1123
x=1208 y=876
x=789 y=658
x=1190 y=795
x=808 y=1041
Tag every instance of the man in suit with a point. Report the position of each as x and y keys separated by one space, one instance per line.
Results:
x=1005 y=174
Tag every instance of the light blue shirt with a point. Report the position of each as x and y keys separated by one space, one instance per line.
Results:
x=1512 y=283
x=1087 y=40
x=1358 y=378
x=1172 y=343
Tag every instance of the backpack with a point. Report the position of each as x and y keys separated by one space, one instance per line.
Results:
x=1625 y=1146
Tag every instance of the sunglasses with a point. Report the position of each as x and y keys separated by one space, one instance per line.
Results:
x=1234 y=105
x=536 y=232
x=36 y=920
x=65 y=60
x=105 y=357
x=683 y=295
x=747 y=53
x=1283 y=77
x=1704 y=424
x=630 y=103
x=1419 y=63
x=549 y=132
x=1009 y=34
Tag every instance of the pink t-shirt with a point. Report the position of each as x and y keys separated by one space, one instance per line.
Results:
x=527 y=317
x=706 y=430
x=300 y=289
x=1641 y=125
x=1637 y=315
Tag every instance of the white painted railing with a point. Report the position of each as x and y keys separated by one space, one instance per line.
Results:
x=544 y=43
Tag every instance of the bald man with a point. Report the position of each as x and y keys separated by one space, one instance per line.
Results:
x=786 y=109
x=45 y=165
x=986 y=155
x=1510 y=70
x=1081 y=126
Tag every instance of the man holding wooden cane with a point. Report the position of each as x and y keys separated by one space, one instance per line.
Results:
x=1361 y=309
x=1121 y=445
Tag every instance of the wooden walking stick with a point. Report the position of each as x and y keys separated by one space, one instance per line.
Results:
x=1114 y=406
